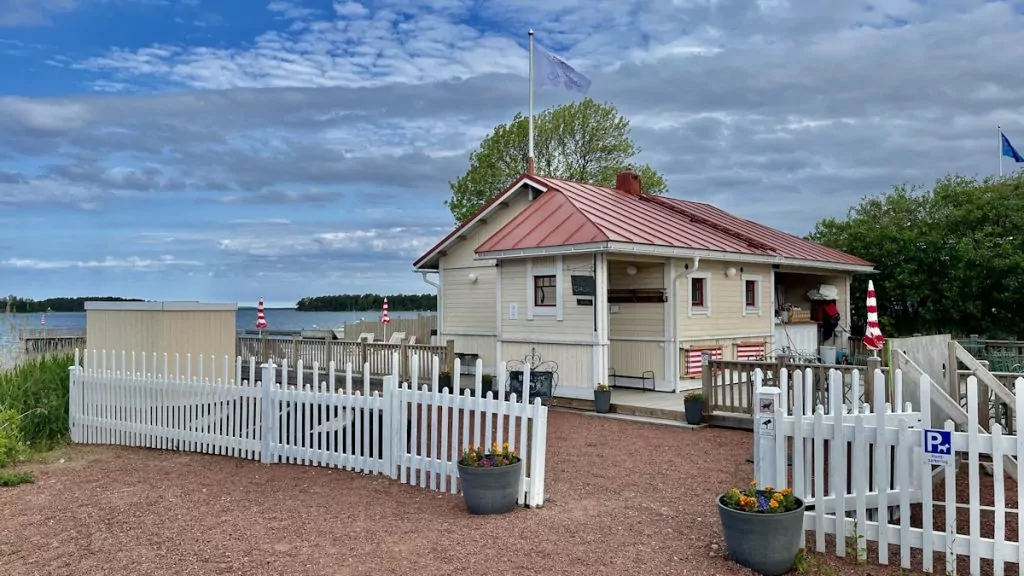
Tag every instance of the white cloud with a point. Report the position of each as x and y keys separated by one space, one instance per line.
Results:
x=350 y=9
x=132 y=262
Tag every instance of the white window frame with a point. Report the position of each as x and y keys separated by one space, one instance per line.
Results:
x=758 y=298
x=534 y=271
x=704 y=310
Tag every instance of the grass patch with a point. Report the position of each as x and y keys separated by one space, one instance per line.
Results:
x=8 y=479
x=33 y=412
x=37 y=390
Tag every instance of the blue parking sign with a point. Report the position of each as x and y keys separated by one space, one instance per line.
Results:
x=938 y=447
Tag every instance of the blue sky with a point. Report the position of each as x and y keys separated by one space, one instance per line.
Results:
x=227 y=150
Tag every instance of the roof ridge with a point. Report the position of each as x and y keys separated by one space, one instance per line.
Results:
x=679 y=208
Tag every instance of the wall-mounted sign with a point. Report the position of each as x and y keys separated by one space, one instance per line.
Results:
x=584 y=301
x=583 y=285
x=513 y=311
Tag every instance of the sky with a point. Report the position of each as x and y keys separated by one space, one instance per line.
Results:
x=224 y=150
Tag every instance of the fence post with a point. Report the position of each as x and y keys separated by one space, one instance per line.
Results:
x=268 y=415
x=868 y=382
x=707 y=382
x=449 y=357
x=362 y=353
x=263 y=347
x=767 y=407
x=73 y=402
x=984 y=408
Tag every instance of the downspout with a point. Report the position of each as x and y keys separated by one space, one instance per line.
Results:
x=675 y=314
x=427 y=280
x=440 y=304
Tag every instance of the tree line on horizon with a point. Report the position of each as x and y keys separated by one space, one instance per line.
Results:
x=367 y=302
x=16 y=305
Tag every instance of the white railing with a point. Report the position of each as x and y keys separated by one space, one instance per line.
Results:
x=393 y=429
x=888 y=473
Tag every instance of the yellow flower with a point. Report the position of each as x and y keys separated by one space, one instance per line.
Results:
x=787 y=491
x=777 y=497
x=753 y=483
x=769 y=488
x=773 y=504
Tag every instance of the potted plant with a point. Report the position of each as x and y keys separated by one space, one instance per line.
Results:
x=763 y=528
x=490 y=481
x=602 y=398
x=693 y=404
x=444 y=380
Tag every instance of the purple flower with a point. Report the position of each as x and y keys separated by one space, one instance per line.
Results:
x=762 y=502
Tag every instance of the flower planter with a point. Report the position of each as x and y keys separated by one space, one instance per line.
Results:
x=694 y=411
x=602 y=401
x=444 y=381
x=490 y=490
x=765 y=543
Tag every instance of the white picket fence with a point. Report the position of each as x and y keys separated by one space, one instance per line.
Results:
x=412 y=435
x=875 y=441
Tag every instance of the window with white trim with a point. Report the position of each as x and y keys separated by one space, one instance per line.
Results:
x=700 y=294
x=751 y=295
x=544 y=288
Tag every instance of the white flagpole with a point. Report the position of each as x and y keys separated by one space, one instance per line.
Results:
x=529 y=159
x=1000 y=129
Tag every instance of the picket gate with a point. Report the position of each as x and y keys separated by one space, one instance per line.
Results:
x=415 y=436
x=904 y=481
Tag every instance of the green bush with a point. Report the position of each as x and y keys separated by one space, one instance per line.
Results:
x=37 y=391
x=12 y=447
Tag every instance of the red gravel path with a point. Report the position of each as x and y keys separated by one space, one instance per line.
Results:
x=623 y=498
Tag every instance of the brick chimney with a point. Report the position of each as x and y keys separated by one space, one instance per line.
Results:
x=629 y=182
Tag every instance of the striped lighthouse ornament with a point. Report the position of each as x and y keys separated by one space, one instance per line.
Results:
x=385 y=319
x=261 y=319
x=873 y=338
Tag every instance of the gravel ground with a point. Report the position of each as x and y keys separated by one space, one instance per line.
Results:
x=623 y=498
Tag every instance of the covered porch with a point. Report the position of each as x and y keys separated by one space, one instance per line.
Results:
x=641 y=351
x=802 y=298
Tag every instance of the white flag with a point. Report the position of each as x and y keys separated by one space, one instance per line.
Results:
x=553 y=71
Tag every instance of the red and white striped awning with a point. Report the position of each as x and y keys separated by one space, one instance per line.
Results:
x=873 y=338
x=384 y=318
x=261 y=320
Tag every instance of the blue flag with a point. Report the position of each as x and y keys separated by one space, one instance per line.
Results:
x=1010 y=151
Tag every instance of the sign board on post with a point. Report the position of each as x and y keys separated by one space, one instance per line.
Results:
x=938 y=447
x=764 y=436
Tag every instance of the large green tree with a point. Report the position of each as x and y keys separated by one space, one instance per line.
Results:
x=949 y=259
x=583 y=141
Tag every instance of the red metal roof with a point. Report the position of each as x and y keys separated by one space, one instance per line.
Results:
x=468 y=223
x=571 y=213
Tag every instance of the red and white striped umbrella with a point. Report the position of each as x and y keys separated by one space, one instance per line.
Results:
x=873 y=338
x=384 y=318
x=261 y=320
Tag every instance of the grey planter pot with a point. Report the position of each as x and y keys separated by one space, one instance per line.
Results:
x=490 y=490
x=765 y=543
x=602 y=401
x=694 y=411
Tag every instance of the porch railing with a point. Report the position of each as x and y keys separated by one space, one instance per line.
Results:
x=728 y=385
x=379 y=355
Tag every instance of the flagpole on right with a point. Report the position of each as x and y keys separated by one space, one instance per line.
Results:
x=999 y=127
x=529 y=156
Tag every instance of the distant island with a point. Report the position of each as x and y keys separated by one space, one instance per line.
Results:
x=367 y=302
x=15 y=305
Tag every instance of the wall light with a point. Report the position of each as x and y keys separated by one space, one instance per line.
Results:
x=631 y=270
x=472 y=278
x=730 y=272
